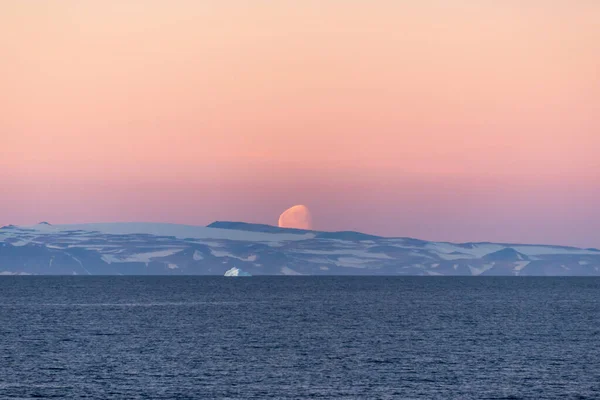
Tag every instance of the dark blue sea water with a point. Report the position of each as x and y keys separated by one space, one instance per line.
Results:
x=299 y=337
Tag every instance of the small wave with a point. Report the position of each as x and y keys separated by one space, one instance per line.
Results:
x=153 y=304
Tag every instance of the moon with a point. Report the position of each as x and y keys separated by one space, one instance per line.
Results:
x=297 y=217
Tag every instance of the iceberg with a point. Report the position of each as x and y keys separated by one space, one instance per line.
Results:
x=236 y=272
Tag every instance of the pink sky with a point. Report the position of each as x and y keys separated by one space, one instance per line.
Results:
x=438 y=119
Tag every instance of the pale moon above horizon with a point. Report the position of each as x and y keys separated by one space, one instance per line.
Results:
x=297 y=217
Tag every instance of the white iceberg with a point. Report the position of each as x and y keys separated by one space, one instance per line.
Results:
x=236 y=272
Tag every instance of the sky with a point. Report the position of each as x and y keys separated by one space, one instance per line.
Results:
x=445 y=120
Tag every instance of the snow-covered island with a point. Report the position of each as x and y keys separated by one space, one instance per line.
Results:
x=242 y=249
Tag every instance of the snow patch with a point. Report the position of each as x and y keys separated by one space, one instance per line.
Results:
x=351 y=262
x=349 y=252
x=221 y=253
x=175 y=230
x=549 y=250
x=147 y=257
x=14 y=273
x=81 y=264
x=452 y=257
x=519 y=265
x=479 y=271
x=109 y=258
x=444 y=250
x=21 y=243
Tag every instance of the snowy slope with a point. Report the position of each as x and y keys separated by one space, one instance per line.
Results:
x=162 y=229
x=151 y=248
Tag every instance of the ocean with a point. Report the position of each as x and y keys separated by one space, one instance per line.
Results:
x=299 y=337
